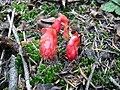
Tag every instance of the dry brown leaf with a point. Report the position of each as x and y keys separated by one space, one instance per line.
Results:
x=8 y=44
x=118 y=30
x=23 y=43
x=30 y=39
x=30 y=6
x=48 y=20
x=74 y=0
x=96 y=14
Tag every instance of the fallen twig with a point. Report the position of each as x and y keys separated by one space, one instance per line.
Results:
x=13 y=74
x=69 y=82
x=115 y=46
x=114 y=82
x=76 y=14
x=3 y=52
x=90 y=77
x=11 y=23
x=86 y=77
x=4 y=62
x=108 y=51
x=26 y=71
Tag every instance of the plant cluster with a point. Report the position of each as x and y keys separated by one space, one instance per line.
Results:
x=48 y=42
x=52 y=43
x=46 y=74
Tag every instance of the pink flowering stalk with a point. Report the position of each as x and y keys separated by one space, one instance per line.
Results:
x=48 y=44
x=48 y=41
x=57 y=26
x=62 y=18
x=72 y=47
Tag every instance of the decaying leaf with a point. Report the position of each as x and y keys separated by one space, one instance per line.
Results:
x=117 y=35
x=30 y=6
x=118 y=30
x=96 y=14
x=6 y=43
x=101 y=1
x=48 y=20
x=44 y=23
x=10 y=46
x=23 y=43
x=90 y=53
x=47 y=87
x=65 y=2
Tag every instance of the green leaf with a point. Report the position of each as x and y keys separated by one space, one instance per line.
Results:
x=109 y=7
x=116 y=2
x=117 y=10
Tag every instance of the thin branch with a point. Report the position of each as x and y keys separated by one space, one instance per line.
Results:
x=69 y=83
x=108 y=51
x=114 y=82
x=90 y=77
x=26 y=71
x=11 y=23
x=13 y=74
x=2 y=55
x=115 y=46
x=28 y=86
x=14 y=31
x=4 y=62
x=86 y=77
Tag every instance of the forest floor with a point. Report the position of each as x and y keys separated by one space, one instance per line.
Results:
x=97 y=66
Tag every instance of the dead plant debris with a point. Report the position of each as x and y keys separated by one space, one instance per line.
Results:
x=97 y=65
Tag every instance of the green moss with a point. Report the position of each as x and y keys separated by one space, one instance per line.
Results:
x=31 y=50
x=51 y=9
x=19 y=7
x=86 y=61
x=19 y=64
x=46 y=74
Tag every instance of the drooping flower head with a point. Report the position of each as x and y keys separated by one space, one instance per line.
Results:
x=63 y=19
x=48 y=42
x=72 y=47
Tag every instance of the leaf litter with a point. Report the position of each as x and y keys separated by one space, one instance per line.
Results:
x=97 y=64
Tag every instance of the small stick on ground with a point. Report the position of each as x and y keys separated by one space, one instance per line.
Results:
x=114 y=82
x=11 y=23
x=86 y=77
x=13 y=74
x=115 y=46
x=90 y=77
x=2 y=55
x=26 y=71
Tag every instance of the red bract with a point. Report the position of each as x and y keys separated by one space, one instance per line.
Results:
x=72 y=47
x=48 y=44
x=43 y=31
x=66 y=34
x=57 y=25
